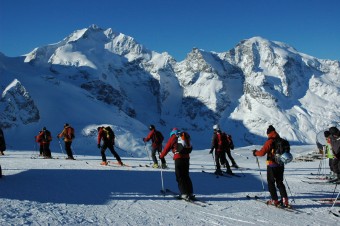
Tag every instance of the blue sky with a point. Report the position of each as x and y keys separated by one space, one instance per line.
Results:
x=176 y=26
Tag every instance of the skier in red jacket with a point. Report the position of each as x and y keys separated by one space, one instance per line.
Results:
x=181 y=149
x=275 y=171
x=157 y=138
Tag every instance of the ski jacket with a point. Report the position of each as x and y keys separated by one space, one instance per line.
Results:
x=328 y=149
x=2 y=141
x=267 y=149
x=172 y=145
x=44 y=137
x=102 y=135
x=335 y=142
x=152 y=136
x=66 y=134
x=214 y=142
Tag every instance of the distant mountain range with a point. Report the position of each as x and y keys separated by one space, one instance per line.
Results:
x=97 y=76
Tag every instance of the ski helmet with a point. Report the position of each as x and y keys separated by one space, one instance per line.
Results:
x=216 y=127
x=151 y=127
x=286 y=158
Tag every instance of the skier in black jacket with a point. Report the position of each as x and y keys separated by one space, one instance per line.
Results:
x=335 y=143
x=2 y=142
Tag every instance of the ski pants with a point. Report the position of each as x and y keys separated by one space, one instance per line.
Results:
x=68 y=149
x=336 y=167
x=330 y=163
x=110 y=147
x=46 y=149
x=182 y=175
x=220 y=159
x=153 y=154
x=230 y=157
x=275 y=175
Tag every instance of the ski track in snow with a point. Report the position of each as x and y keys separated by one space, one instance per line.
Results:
x=82 y=192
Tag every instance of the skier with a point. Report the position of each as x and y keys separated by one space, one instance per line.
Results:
x=107 y=135
x=275 y=171
x=335 y=143
x=220 y=150
x=182 y=161
x=228 y=147
x=2 y=146
x=44 y=138
x=329 y=152
x=68 y=135
x=157 y=138
x=2 y=142
x=41 y=147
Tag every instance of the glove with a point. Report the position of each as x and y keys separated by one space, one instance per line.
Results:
x=98 y=145
x=144 y=140
x=211 y=151
x=254 y=152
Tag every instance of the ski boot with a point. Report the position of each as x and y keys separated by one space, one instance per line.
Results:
x=273 y=202
x=219 y=172
x=104 y=163
x=164 y=166
x=155 y=165
x=229 y=172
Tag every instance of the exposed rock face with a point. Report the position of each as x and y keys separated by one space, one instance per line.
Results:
x=17 y=106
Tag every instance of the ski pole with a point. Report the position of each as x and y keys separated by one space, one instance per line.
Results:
x=35 y=149
x=61 y=148
x=291 y=194
x=258 y=163
x=330 y=210
x=73 y=151
x=162 y=179
x=215 y=164
x=147 y=153
x=212 y=155
x=334 y=190
x=241 y=155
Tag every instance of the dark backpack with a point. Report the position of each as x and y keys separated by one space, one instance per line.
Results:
x=46 y=136
x=280 y=146
x=183 y=143
x=110 y=135
x=70 y=133
x=225 y=141
x=335 y=143
x=158 y=137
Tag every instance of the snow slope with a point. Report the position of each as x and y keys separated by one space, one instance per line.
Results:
x=81 y=192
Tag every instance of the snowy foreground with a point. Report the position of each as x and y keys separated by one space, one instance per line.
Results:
x=81 y=192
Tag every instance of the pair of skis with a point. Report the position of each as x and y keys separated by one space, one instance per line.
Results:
x=281 y=207
x=322 y=182
x=224 y=174
x=192 y=200
x=327 y=201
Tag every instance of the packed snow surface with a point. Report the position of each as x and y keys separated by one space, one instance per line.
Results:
x=35 y=191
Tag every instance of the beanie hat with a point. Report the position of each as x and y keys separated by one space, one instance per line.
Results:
x=326 y=133
x=174 y=131
x=334 y=131
x=270 y=129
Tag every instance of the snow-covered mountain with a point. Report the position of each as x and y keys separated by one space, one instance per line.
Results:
x=97 y=76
